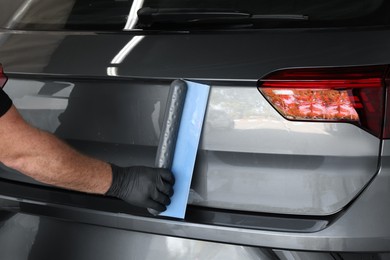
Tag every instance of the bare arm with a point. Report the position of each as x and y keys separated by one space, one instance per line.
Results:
x=47 y=159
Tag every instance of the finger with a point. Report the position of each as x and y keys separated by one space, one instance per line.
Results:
x=169 y=191
x=164 y=187
x=156 y=206
x=161 y=197
x=167 y=176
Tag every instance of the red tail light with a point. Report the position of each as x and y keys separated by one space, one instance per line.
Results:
x=346 y=94
x=3 y=78
x=386 y=128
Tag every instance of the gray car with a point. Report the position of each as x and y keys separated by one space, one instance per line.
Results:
x=293 y=161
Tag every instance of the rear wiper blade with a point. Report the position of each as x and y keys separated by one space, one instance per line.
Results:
x=147 y=17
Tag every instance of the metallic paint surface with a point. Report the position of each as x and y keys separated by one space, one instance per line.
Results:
x=251 y=159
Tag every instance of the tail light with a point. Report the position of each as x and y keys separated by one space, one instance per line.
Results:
x=346 y=94
x=3 y=78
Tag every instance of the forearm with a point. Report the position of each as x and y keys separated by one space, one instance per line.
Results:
x=47 y=159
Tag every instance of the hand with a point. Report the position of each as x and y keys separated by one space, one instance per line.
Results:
x=142 y=186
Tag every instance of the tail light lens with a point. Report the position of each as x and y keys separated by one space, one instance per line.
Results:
x=346 y=94
x=3 y=78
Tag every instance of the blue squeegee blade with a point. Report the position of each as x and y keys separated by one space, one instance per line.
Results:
x=186 y=148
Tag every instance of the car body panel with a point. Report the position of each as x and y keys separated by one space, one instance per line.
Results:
x=251 y=160
x=191 y=55
x=25 y=237
x=349 y=232
x=265 y=164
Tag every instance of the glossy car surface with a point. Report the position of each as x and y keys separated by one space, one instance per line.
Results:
x=260 y=181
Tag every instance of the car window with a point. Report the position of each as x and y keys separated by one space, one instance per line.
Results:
x=319 y=9
x=65 y=14
x=115 y=14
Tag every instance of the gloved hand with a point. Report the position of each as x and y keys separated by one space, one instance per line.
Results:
x=142 y=186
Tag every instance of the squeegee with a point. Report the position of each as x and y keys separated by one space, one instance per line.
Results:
x=179 y=139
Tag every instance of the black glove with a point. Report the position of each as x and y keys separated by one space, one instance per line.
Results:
x=142 y=186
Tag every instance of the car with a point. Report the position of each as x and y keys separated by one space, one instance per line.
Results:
x=293 y=161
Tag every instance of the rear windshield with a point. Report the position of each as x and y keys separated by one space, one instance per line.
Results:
x=119 y=15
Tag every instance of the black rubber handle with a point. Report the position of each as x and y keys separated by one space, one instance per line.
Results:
x=172 y=117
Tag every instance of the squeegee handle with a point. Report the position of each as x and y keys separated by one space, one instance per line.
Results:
x=170 y=128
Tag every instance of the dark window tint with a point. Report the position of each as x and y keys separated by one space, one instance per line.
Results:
x=318 y=9
x=99 y=14
x=65 y=14
x=113 y=14
x=317 y=13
